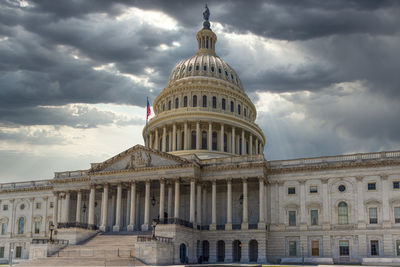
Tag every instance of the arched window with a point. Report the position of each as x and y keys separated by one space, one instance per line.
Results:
x=204 y=101
x=214 y=103
x=163 y=107
x=176 y=102
x=223 y=104
x=193 y=140
x=214 y=141
x=206 y=250
x=195 y=101
x=237 y=251
x=244 y=112
x=21 y=225
x=185 y=101
x=169 y=105
x=239 y=109
x=204 y=140
x=225 y=143
x=253 y=250
x=240 y=146
x=182 y=253
x=182 y=140
x=220 y=251
x=343 y=217
x=232 y=107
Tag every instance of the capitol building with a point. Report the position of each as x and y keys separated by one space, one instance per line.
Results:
x=201 y=191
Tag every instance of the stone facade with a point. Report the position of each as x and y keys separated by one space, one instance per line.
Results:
x=203 y=177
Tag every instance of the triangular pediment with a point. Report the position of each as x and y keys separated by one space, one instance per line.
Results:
x=138 y=157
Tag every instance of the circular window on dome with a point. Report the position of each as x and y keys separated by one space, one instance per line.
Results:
x=22 y=206
x=342 y=188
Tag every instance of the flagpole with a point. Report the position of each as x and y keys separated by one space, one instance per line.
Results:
x=147 y=118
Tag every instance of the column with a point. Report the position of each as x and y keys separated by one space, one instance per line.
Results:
x=303 y=212
x=251 y=144
x=176 y=199
x=150 y=140
x=360 y=203
x=169 y=148
x=185 y=137
x=279 y=203
x=245 y=219
x=233 y=142
x=78 y=206
x=179 y=139
x=162 y=195
x=104 y=210
x=117 y=225
x=164 y=139
x=192 y=200
x=169 y=201
x=146 y=225
x=228 y=225
x=128 y=206
x=213 y=225
x=198 y=202
x=173 y=137
x=243 y=144
x=221 y=141
x=385 y=202
x=209 y=136
x=198 y=137
x=91 y=206
x=132 y=214
x=65 y=218
x=261 y=222
x=156 y=141
x=257 y=152
x=204 y=219
x=325 y=205
x=265 y=203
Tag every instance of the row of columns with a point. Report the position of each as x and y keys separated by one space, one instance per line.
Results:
x=174 y=139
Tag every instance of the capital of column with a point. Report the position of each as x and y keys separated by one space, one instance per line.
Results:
x=302 y=182
x=359 y=178
x=324 y=180
x=384 y=176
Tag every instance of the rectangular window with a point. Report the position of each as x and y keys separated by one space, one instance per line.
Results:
x=18 y=252
x=396 y=185
x=291 y=190
x=292 y=218
x=398 y=247
x=344 y=248
x=5 y=207
x=313 y=189
x=51 y=205
x=314 y=217
x=37 y=227
x=292 y=248
x=1 y=252
x=38 y=205
x=397 y=214
x=373 y=215
x=374 y=248
x=3 y=229
x=371 y=186
x=315 y=248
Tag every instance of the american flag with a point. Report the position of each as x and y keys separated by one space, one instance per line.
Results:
x=148 y=113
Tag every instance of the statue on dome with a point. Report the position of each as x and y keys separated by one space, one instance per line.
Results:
x=206 y=13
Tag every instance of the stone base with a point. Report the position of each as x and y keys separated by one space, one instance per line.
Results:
x=103 y=228
x=130 y=228
x=245 y=226
x=213 y=226
x=116 y=228
x=228 y=226
x=261 y=226
x=145 y=227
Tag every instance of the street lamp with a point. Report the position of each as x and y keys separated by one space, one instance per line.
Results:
x=153 y=201
x=84 y=208
x=241 y=199
x=51 y=227
x=154 y=224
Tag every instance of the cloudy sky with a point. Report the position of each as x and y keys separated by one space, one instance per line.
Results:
x=74 y=75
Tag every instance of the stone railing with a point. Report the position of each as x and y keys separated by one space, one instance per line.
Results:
x=148 y=238
x=21 y=185
x=176 y=221
x=71 y=174
x=77 y=225
x=334 y=159
x=48 y=241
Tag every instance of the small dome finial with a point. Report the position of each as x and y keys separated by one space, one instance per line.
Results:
x=206 y=17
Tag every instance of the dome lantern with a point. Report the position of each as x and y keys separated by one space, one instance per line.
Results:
x=206 y=38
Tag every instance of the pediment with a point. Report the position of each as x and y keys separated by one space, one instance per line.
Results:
x=138 y=157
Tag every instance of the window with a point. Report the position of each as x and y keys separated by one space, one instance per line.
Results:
x=5 y=207
x=226 y=73
x=167 y=143
x=232 y=107
x=1 y=252
x=396 y=214
x=214 y=141
x=342 y=213
x=51 y=205
x=37 y=227
x=292 y=218
x=225 y=143
x=315 y=248
x=239 y=109
x=18 y=252
x=313 y=189
x=197 y=67
x=398 y=247
x=314 y=217
x=190 y=68
x=185 y=101
x=22 y=206
x=342 y=188
x=169 y=105
x=204 y=67
x=176 y=102
x=373 y=216
x=195 y=101
x=219 y=71
x=396 y=185
x=291 y=190
x=371 y=186
x=21 y=225
x=344 y=248
x=214 y=102
x=204 y=101
x=38 y=205
x=292 y=248
x=204 y=140
x=212 y=68
x=374 y=248
x=3 y=229
x=163 y=107
x=244 y=112
x=193 y=140
x=223 y=104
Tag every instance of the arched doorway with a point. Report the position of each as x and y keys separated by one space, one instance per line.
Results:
x=236 y=251
x=220 y=251
x=253 y=250
x=206 y=250
x=182 y=253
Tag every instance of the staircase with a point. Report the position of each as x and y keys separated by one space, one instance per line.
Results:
x=102 y=250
